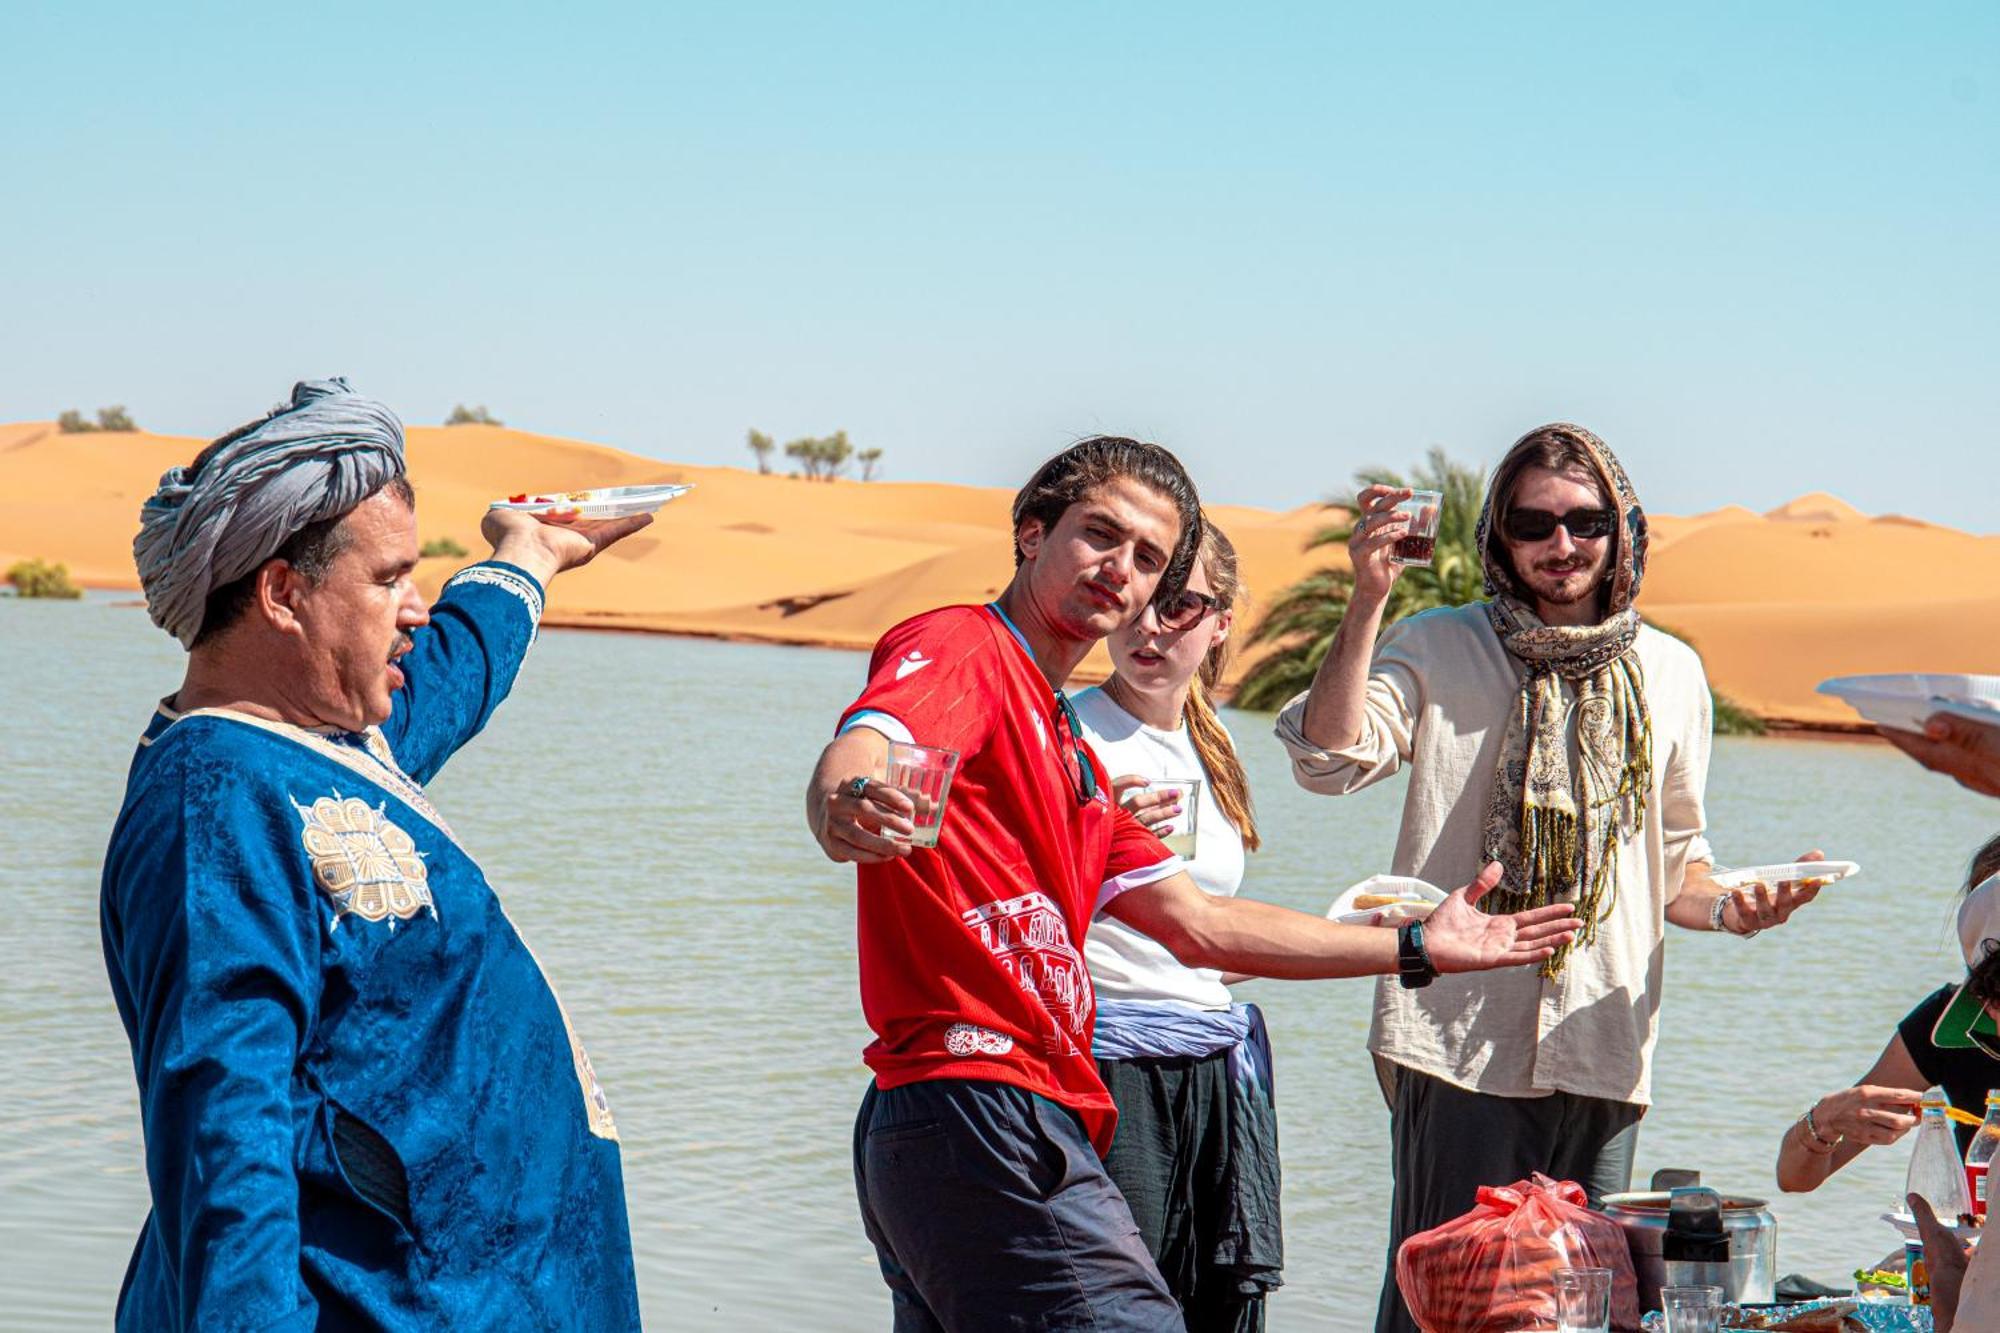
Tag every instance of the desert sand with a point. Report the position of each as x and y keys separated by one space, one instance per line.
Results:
x=1775 y=602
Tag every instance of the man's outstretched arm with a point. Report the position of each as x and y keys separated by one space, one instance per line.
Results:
x=463 y=663
x=1262 y=939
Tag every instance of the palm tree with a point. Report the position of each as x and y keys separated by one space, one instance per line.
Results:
x=1303 y=620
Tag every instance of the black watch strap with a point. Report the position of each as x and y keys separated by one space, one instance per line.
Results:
x=1413 y=961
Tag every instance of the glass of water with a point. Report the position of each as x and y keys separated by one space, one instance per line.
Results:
x=1692 y=1309
x=923 y=773
x=1583 y=1300
x=1178 y=833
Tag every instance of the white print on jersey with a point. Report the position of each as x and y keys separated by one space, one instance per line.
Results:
x=1029 y=938
x=966 y=1038
x=1041 y=729
x=911 y=664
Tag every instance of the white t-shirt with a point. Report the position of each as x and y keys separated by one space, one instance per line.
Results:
x=1127 y=964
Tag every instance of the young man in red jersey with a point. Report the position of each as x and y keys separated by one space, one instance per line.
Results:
x=978 y=1149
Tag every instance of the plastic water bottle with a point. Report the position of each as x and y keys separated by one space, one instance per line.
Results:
x=1937 y=1175
x=1979 y=1156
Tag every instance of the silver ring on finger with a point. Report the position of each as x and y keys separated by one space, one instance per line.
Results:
x=857 y=787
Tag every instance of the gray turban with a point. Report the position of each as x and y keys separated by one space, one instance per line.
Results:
x=208 y=525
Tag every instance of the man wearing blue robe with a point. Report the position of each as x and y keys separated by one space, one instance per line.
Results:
x=363 y=1103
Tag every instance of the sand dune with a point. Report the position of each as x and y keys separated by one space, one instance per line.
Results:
x=1776 y=602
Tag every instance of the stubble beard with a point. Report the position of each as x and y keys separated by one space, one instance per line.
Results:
x=1572 y=589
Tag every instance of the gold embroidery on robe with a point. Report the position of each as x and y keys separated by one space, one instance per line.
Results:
x=596 y=1106
x=366 y=864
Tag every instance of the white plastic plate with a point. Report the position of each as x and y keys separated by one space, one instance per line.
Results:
x=1825 y=871
x=597 y=503
x=1906 y=700
x=1414 y=891
x=1905 y=1223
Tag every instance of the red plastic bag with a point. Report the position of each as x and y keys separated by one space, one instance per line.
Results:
x=1493 y=1270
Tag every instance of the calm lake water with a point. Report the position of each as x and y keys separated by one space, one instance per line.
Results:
x=638 y=804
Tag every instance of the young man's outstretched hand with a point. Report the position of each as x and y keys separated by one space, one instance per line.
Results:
x=1262 y=939
x=1461 y=938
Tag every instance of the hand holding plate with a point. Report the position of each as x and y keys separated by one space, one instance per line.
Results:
x=1958 y=747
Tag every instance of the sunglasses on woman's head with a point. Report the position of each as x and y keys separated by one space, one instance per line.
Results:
x=1534 y=525
x=1185 y=609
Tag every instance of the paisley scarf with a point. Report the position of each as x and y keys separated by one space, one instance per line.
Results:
x=1554 y=824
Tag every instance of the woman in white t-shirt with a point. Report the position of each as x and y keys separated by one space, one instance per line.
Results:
x=1196 y=1153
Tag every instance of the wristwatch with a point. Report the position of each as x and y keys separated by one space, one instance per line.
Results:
x=1413 y=962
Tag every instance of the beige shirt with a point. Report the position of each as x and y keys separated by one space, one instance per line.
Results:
x=1438 y=698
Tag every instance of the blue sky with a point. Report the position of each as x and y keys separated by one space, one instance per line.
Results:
x=1752 y=246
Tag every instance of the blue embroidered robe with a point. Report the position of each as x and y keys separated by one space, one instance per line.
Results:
x=363 y=1103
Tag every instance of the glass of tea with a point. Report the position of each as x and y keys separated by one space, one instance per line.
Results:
x=1419 y=544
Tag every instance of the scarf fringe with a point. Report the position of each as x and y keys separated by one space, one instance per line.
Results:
x=1556 y=865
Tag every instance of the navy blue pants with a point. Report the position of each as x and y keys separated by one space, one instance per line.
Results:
x=989 y=1209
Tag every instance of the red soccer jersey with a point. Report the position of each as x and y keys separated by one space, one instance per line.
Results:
x=972 y=952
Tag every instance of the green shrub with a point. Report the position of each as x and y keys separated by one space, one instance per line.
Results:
x=108 y=418
x=822 y=458
x=461 y=415
x=1732 y=719
x=39 y=578
x=441 y=546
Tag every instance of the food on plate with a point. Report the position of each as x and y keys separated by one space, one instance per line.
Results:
x=1833 y=1317
x=1394 y=907
x=529 y=498
x=1881 y=1277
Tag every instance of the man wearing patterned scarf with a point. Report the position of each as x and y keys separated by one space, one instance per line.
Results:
x=363 y=1103
x=1551 y=730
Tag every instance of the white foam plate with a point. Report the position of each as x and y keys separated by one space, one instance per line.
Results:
x=1744 y=876
x=597 y=503
x=1906 y=700
x=1414 y=891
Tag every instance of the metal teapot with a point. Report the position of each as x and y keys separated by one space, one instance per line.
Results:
x=1695 y=1236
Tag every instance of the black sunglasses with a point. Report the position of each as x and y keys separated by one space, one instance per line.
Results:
x=1185 y=609
x=1084 y=781
x=1534 y=525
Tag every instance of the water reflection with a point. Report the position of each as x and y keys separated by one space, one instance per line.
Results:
x=638 y=802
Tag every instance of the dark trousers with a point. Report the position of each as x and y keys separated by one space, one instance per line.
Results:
x=1447 y=1142
x=989 y=1209
x=1170 y=1160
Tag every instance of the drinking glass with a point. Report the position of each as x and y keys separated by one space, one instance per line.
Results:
x=923 y=773
x=1692 y=1309
x=1178 y=832
x=1419 y=544
x=1583 y=1300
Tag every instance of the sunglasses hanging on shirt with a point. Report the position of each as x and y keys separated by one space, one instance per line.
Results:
x=1083 y=781
x=1534 y=525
